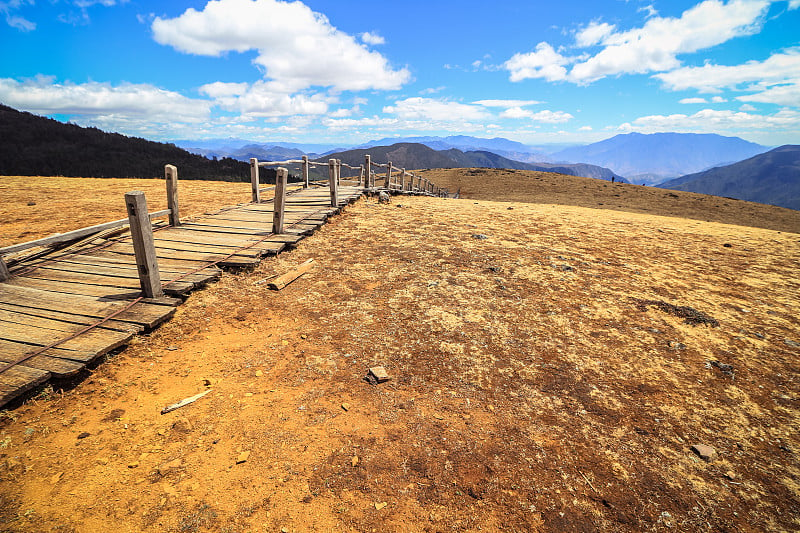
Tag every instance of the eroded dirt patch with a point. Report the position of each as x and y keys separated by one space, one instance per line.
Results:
x=527 y=392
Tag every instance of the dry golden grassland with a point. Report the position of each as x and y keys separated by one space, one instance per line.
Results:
x=531 y=390
x=32 y=207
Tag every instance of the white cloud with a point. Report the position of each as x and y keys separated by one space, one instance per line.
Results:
x=747 y=107
x=43 y=95
x=654 y=47
x=786 y=95
x=718 y=100
x=716 y=121
x=372 y=38
x=693 y=101
x=297 y=47
x=712 y=78
x=594 y=33
x=433 y=90
x=794 y=4
x=775 y=80
x=544 y=62
x=545 y=116
x=436 y=110
x=585 y=128
x=262 y=99
x=506 y=103
x=8 y=10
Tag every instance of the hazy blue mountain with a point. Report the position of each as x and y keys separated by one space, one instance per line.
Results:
x=769 y=178
x=227 y=147
x=505 y=147
x=655 y=157
x=418 y=156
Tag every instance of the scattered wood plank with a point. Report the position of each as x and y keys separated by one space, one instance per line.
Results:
x=282 y=281
x=184 y=402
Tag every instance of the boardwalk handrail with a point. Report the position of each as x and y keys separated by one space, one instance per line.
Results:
x=171 y=176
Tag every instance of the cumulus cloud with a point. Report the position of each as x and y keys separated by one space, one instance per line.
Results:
x=435 y=109
x=594 y=33
x=654 y=47
x=43 y=95
x=372 y=38
x=544 y=62
x=693 y=101
x=260 y=99
x=297 y=47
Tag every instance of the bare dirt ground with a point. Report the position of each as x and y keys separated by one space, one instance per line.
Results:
x=544 y=378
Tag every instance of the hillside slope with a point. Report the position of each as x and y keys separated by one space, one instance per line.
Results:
x=417 y=156
x=769 y=178
x=39 y=146
x=655 y=157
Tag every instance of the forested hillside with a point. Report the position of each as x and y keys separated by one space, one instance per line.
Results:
x=31 y=145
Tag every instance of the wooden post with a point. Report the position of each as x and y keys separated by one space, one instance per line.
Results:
x=143 y=247
x=338 y=172
x=254 y=181
x=4 y=273
x=368 y=166
x=361 y=182
x=332 y=180
x=402 y=179
x=389 y=177
x=171 y=175
x=279 y=205
x=305 y=171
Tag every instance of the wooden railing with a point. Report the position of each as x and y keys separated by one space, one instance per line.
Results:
x=140 y=221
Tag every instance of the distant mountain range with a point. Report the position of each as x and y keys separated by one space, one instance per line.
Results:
x=31 y=145
x=653 y=158
x=646 y=159
x=419 y=156
x=769 y=178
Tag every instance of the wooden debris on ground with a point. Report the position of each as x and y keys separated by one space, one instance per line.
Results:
x=184 y=402
x=282 y=281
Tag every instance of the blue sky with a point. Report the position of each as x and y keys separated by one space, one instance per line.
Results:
x=344 y=72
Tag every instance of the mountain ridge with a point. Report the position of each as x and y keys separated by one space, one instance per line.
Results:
x=655 y=157
x=769 y=178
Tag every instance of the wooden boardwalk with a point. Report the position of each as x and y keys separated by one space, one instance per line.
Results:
x=62 y=311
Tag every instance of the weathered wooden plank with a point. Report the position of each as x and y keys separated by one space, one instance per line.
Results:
x=147 y=315
x=75 y=289
x=129 y=271
x=103 y=281
x=71 y=318
x=18 y=380
x=86 y=347
x=11 y=352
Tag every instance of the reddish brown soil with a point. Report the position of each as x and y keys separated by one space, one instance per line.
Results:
x=531 y=389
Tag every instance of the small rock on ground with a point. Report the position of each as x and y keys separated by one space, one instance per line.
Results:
x=705 y=452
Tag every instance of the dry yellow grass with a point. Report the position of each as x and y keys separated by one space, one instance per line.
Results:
x=32 y=207
x=530 y=390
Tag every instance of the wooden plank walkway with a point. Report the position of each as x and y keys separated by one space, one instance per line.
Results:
x=65 y=310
